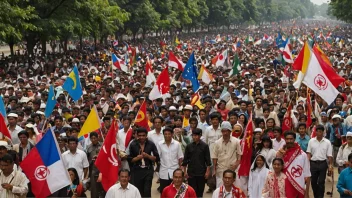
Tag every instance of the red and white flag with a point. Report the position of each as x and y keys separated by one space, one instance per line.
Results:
x=287 y=54
x=107 y=161
x=220 y=59
x=174 y=62
x=149 y=72
x=247 y=149
x=3 y=128
x=308 y=111
x=161 y=86
x=287 y=121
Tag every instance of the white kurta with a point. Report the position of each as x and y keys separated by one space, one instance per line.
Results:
x=256 y=180
x=117 y=191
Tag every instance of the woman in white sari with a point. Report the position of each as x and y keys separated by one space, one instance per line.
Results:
x=257 y=176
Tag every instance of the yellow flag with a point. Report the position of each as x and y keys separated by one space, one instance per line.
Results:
x=91 y=124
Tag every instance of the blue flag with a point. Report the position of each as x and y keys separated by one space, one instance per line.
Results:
x=73 y=85
x=2 y=108
x=190 y=72
x=50 y=104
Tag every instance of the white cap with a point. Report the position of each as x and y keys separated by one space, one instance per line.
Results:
x=24 y=100
x=349 y=134
x=29 y=125
x=226 y=125
x=257 y=130
x=42 y=106
x=336 y=116
x=12 y=115
x=40 y=112
x=188 y=107
x=75 y=120
x=172 y=108
x=244 y=89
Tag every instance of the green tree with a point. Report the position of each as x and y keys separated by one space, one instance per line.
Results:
x=341 y=9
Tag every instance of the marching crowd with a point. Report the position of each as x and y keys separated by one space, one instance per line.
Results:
x=192 y=142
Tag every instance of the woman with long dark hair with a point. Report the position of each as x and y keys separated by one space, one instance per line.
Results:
x=265 y=148
x=75 y=189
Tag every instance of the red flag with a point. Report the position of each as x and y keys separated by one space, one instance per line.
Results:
x=314 y=132
x=287 y=121
x=161 y=86
x=247 y=144
x=128 y=137
x=107 y=161
x=141 y=118
x=174 y=62
x=308 y=111
x=3 y=128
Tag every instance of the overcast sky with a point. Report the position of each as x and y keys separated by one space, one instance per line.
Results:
x=319 y=1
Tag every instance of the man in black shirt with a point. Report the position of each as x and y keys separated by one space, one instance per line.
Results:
x=196 y=163
x=143 y=154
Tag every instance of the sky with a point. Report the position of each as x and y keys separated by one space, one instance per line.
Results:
x=319 y=2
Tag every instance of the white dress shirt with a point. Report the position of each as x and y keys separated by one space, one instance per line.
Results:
x=169 y=158
x=78 y=161
x=19 y=182
x=278 y=145
x=121 y=139
x=116 y=191
x=319 y=150
x=210 y=136
x=154 y=137
x=14 y=134
x=342 y=155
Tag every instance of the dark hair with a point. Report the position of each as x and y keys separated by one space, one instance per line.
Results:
x=124 y=171
x=287 y=133
x=265 y=139
x=72 y=139
x=141 y=130
x=202 y=110
x=278 y=159
x=7 y=158
x=197 y=131
x=158 y=117
x=350 y=157
x=127 y=118
x=59 y=118
x=93 y=134
x=168 y=129
x=76 y=180
x=302 y=124
x=193 y=119
x=266 y=109
x=23 y=133
x=73 y=129
x=215 y=115
x=177 y=117
x=229 y=171
x=264 y=160
x=178 y=169
x=278 y=129
x=320 y=127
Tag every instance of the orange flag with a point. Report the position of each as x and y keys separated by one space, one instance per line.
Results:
x=141 y=118
x=247 y=144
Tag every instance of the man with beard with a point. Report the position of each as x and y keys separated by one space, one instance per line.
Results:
x=296 y=167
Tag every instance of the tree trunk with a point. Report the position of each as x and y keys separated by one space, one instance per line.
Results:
x=43 y=43
x=11 y=45
x=31 y=41
x=80 y=42
x=65 y=44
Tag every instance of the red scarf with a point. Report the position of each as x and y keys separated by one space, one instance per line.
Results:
x=290 y=155
x=236 y=192
x=276 y=186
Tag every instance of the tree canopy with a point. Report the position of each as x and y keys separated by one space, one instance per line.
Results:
x=44 y=20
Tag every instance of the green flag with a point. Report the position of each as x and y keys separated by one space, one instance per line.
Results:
x=235 y=65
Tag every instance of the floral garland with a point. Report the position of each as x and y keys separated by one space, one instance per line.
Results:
x=182 y=191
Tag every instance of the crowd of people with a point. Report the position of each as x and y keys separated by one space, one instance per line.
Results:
x=189 y=146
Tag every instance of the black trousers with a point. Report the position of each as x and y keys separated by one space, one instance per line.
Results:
x=198 y=184
x=142 y=179
x=164 y=183
x=318 y=170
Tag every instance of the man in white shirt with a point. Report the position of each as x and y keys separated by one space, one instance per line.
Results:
x=319 y=151
x=13 y=127
x=123 y=189
x=75 y=158
x=278 y=142
x=211 y=134
x=344 y=151
x=171 y=156
x=156 y=135
x=13 y=182
x=123 y=142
